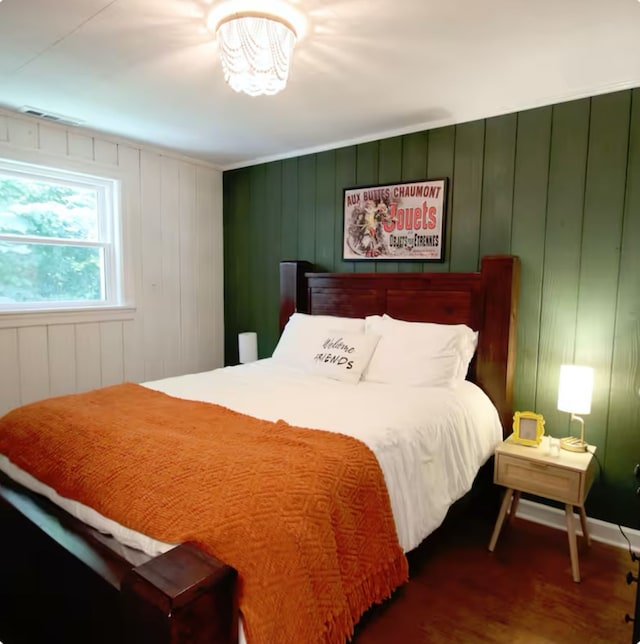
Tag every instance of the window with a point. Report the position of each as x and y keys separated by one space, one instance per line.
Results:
x=59 y=239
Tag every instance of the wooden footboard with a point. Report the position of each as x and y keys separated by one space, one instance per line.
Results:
x=63 y=581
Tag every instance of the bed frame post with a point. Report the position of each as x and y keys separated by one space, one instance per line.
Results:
x=184 y=595
x=60 y=580
x=293 y=288
x=497 y=348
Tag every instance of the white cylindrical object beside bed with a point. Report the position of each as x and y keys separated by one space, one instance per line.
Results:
x=248 y=347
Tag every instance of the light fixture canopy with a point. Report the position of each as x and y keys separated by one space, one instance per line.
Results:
x=574 y=396
x=255 y=50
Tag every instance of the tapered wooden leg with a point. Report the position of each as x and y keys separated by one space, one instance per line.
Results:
x=500 y=520
x=514 y=505
x=585 y=529
x=573 y=546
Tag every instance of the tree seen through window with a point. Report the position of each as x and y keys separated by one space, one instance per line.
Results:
x=50 y=247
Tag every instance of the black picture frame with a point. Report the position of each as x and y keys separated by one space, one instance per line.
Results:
x=395 y=222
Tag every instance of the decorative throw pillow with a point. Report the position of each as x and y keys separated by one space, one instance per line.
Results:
x=341 y=356
x=301 y=330
x=419 y=353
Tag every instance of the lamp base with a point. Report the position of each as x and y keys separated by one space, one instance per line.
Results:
x=572 y=444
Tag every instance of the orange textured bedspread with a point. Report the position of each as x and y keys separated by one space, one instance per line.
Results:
x=303 y=515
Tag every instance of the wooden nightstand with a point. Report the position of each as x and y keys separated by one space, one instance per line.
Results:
x=566 y=478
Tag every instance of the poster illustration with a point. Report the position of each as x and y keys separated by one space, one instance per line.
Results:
x=394 y=222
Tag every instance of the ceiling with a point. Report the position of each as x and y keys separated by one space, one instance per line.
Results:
x=148 y=70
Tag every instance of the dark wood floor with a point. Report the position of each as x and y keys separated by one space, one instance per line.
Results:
x=523 y=593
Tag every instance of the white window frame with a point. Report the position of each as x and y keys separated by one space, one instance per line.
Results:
x=117 y=304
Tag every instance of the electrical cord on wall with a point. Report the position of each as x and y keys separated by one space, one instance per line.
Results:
x=632 y=554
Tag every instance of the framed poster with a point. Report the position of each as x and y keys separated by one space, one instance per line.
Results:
x=395 y=222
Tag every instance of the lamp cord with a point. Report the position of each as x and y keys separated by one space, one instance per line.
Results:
x=632 y=554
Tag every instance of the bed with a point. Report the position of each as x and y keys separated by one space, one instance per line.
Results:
x=186 y=594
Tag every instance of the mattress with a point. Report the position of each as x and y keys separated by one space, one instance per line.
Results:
x=430 y=442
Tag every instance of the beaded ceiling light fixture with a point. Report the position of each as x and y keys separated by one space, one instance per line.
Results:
x=255 y=46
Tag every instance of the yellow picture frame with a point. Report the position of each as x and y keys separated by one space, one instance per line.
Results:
x=528 y=428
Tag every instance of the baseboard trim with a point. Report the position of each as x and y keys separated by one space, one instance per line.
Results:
x=599 y=530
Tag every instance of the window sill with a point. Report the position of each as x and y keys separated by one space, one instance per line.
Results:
x=12 y=319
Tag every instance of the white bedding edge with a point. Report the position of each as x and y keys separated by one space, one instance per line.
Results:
x=426 y=465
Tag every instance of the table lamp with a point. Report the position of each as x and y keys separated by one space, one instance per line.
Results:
x=574 y=396
x=247 y=347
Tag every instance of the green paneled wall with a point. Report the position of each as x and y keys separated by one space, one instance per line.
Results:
x=558 y=186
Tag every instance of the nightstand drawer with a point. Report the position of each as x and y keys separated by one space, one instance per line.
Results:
x=541 y=478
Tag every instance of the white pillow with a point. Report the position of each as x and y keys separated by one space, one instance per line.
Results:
x=341 y=356
x=466 y=337
x=302 y=330
x=419 y=353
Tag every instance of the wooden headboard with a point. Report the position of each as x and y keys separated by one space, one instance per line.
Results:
x=486 y=301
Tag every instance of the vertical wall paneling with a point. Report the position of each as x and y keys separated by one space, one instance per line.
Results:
x=463 y=220
x=306 y=207
x=414 y=156
x=22 y=133
x=414 y=168
x=209 y=252
x=238 y=281
x=528 y=233
x=561 y=271
x=105 y=152
x=80 y=146
x=325 y=219
x=172 y=229
x=367 y=175
x=601 y=240
x=289 y=221
x=88 y=356
x=9 y=369
x=133 y=330
x=557 y=186
x=133 y=357
x=269 y=328
x=4 y=132
x=169 y=251
x=188 y=267
x=111 y=353
x=52 y=139
x=440 y=164
x=230 y=189
x=34 y=363
x=622 y=451
x=497 y=188
x=62 y=358
x=153 y=322
x=345 y=178
x=256 y=236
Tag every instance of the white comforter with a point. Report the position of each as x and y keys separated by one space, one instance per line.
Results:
x=429 y=442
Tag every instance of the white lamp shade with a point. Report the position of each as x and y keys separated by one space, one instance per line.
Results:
x=248 y=346
x=575 y=389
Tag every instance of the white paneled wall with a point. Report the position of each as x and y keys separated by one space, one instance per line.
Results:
x=172 y=220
